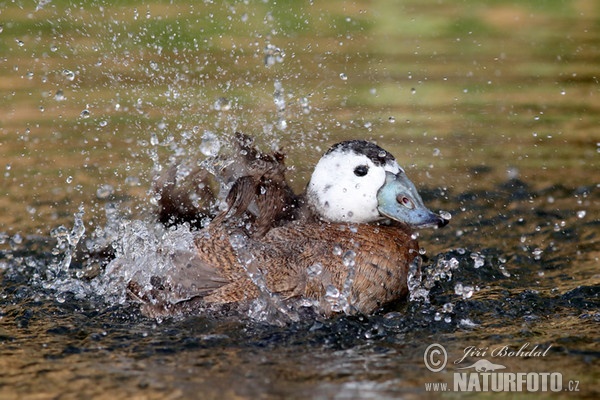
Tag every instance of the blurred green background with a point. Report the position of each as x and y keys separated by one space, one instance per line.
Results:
x=96 y=93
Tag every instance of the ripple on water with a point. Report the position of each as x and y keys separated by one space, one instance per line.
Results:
x=482 y=287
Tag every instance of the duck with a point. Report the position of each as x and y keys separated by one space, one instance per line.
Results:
x=344 y=245
x=194 y=193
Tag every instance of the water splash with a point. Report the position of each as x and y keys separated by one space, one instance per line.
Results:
x=210 y=145
x=415 y=280
x=142 y=251
x=279 y=100
x=66 y=244
x=268 y=307
x=422 y=279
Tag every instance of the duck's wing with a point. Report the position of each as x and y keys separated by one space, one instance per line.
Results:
x=188 y=277
x=186 y=193
x=191 y=193
x=264 y=199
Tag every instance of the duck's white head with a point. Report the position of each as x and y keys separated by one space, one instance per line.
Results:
x=359 y=182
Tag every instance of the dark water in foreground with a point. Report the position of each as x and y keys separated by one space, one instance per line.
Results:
x=492 y=107
x=533 y=283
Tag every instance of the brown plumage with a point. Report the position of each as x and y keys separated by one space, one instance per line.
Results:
x=258 y=189
x=299 y=259
x=270 y=241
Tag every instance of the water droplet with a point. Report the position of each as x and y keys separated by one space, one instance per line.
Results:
x=503 y=270
x=458 y=289
x=413 y=91
x=467 y=323
x=332 y=291
x=132 y=181
x=273 y=55
x=349 y=258
x=85 y=114
x=16 y=240
x=222 y=104
x=154 y=139
x=337 y=250
x=59 y=96
x=70 y=75
x=478 y=260
x=445 y=214
x=391 y=120
x=69 y=179
x=453 y=263
x=537 y=253
x=581 y=214
x=278 y=97
x=467 y=292
x=314 y=270
x=305 y=105
x=210 y=144
x=343 y=76
x=104 y=191
x=436 y=152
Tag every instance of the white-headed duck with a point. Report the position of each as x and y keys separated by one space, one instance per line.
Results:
x=345 y=244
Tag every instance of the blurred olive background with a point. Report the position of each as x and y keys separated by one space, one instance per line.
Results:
x=95 y=96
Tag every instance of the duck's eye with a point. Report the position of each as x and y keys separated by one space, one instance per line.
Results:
x=405 y=201
x=361 y=170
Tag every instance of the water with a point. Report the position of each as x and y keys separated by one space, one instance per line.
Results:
x=492 y=112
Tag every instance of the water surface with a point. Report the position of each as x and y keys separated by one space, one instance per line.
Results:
x=493 y=108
